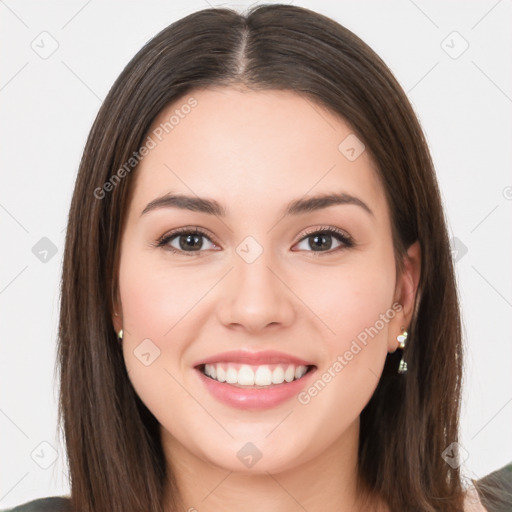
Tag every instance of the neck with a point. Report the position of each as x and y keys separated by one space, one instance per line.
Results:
x=326 y=483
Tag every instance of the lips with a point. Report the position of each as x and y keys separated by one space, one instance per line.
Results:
x=254 y=358
x=254 y=380
x=254 y=368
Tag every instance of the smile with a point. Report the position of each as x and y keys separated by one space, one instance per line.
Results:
x=254 y=380
x=245 y=375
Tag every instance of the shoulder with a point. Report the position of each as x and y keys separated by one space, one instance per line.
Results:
x=53 y=504
x=472 y=501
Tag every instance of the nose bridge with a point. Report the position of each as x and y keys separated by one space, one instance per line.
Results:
x=255 y=297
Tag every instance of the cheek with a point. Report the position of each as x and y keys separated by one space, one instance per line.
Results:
x=153 y=302
x=354 y=307
x=351 y=298
x=155 y=297
x=365 y=306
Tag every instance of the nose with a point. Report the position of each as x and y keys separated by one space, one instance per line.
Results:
x=256 y=297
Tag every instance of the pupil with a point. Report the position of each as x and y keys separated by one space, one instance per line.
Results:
x=318 y=239
x=192 y=242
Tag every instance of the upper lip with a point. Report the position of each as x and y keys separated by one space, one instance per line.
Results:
x=254 y=358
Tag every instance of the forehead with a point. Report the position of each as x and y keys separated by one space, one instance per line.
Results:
x=243 y=147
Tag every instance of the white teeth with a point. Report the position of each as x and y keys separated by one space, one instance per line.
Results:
x=231 y=376
x=246 y=375
x=300 y=371
x=278 y=375
x=263 y=376
x=289 y=374
x=221 y=374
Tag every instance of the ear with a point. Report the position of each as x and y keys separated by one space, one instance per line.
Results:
x=405 y=294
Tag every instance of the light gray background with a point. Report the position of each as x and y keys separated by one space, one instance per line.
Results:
x=48 y=105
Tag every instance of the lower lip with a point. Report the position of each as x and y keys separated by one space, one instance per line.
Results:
x=253 y=398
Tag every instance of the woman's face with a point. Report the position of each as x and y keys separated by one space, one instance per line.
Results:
x=264 y=291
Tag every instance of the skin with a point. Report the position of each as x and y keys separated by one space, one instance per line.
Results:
x=254 y=152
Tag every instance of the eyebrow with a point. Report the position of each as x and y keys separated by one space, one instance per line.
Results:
x=295 y=207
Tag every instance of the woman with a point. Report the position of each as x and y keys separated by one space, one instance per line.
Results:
x=258 y=300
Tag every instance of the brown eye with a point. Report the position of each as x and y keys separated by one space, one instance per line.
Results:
x=325 y=240
x=190 y=242
x=186 y=241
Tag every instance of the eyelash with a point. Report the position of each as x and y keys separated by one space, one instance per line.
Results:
x=340 y=235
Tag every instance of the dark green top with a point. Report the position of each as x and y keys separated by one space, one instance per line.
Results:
x=55 y=504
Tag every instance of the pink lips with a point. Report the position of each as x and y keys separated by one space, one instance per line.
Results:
x=254 y=358
x=257 y=398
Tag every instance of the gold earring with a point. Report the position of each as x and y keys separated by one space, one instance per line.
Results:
x=120 y=335
x=402 y=338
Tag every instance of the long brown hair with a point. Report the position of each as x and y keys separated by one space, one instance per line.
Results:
x=115 y=455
